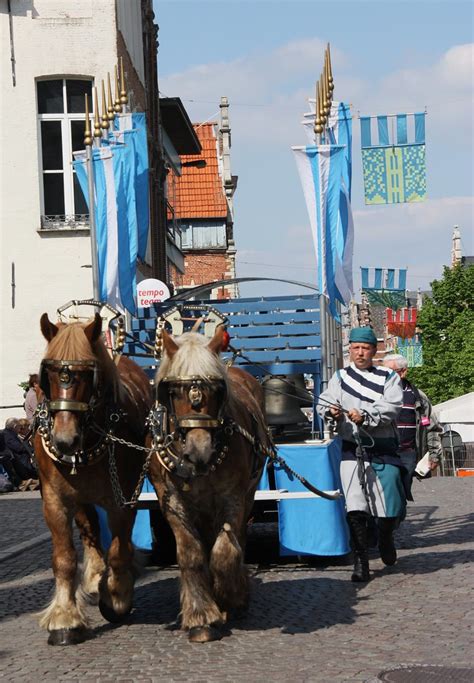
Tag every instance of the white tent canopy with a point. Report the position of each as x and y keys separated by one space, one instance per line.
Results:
x=458 y=415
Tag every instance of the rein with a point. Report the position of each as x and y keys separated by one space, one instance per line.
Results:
x=271 y=453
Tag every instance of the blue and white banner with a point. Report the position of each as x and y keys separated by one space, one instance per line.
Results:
x=393 y=158
x=115 y=218
x=321 y=171
x=131 y=129
x=340 y=133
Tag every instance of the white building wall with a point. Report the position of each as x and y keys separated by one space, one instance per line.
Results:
x=129 y=22
x=51 y=38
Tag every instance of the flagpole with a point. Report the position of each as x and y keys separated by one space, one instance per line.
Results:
x=88 y=141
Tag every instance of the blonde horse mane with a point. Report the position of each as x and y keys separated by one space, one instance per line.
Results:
x=193 y=358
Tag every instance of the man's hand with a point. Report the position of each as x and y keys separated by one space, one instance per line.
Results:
x=355 y=417
x=336 y=412
x=432 y=465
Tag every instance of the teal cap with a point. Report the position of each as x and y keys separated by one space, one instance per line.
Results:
x=364 y=335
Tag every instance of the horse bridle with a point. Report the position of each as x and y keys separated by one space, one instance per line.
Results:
x=196 y=387
x=167 y=428
x=67 y=370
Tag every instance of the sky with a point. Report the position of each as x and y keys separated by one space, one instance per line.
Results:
x=388 y=57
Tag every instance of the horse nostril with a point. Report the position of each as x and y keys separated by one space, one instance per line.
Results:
x=64 y=445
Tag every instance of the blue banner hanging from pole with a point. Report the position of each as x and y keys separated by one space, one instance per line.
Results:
x=116 y=223
x=321 y=170
x=393 y=158
x=131 y=129
x=339 y=133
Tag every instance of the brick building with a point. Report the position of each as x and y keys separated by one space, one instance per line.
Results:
x=200 y=204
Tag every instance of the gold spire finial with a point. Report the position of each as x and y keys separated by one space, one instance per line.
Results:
x=110 y=102
x=87 y=129
x=318 y=128
x=123 y=91
x=104 y=119
x=117 y=105
x=322 y=109
x=326 y=81
x=326 y=102
x=97 y=131
x=330 y=78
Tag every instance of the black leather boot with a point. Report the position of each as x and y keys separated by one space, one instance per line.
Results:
x=387 y=548
x=357 y=522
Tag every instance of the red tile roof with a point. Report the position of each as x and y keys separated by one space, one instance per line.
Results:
x=198 y=193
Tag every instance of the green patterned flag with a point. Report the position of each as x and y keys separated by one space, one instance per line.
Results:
x=394 y=169
x=385 y=286
x=412 y=350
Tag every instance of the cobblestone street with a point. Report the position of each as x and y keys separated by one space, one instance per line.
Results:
x=306 y=622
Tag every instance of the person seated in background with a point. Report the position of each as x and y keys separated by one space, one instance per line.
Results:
x=21 y=453
x=24 y=429
x=32 y=397
x=7 y=471
x=418 y=428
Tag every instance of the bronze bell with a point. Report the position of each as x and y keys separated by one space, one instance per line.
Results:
x=284 y=397
x=304 y=395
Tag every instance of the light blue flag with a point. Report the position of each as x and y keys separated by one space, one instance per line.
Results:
x=131 y=129
x=339 y=132
x=321 y=170
x=115 y=218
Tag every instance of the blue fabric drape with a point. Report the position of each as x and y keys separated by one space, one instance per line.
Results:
x=402 y=278
x=311 y=526
x=365 y=134
x=402 y=136
x=382 y=124
x=420 y=129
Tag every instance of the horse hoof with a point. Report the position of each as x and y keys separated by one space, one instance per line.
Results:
x=111 y=615
x=67 y=636
x=205 y=634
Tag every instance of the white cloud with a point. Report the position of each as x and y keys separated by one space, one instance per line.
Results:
x=417 y=236
x=267 y=91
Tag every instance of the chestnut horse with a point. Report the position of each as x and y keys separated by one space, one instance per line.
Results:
x=88 y=397
x=210 y=437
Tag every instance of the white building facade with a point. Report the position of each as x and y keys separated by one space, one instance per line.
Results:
x=52 y=53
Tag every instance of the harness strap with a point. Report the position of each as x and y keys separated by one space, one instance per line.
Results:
x=67 y=404
x=271 y=453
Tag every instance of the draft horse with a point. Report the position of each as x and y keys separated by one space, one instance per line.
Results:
x=89 y=399
x=210 y=438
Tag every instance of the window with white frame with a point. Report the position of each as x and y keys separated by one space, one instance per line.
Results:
x=61 y=109
x=203 y=235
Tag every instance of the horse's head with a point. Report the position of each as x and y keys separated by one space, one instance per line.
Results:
x=69 y=378
x=192 y=385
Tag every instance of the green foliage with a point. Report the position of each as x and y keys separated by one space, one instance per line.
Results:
x=24 y=385
x=447 y=323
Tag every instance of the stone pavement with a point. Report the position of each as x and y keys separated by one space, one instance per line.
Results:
x=307 y=622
